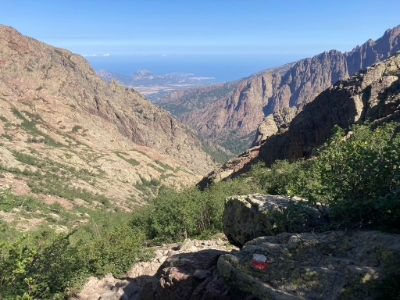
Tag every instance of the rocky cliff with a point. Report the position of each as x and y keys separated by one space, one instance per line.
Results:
x=231 y=113
x=372 y=94
x=65 y=133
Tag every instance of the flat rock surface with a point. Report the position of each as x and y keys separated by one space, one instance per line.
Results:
x=331 y=265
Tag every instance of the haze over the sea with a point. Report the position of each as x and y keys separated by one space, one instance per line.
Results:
x=222 y=68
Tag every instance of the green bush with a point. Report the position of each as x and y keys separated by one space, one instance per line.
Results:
x=357 y=175
x=175 y=215
x=49 y=266
x=360 y=175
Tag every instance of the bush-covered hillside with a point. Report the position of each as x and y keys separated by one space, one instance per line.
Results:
x=356 y=174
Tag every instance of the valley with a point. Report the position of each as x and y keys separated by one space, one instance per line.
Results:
x=155 y=87
x=70 y=139
x=106 y=195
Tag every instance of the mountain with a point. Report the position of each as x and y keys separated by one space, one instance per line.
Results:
x=69 y=137
x=231 y=113
x=372 y=95
x=154 y=87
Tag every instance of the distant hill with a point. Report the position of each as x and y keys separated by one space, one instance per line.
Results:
x=68 y=137
x=154 y=87
x=231 y=113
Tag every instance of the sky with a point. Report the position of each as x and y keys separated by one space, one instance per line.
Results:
x=170 y=35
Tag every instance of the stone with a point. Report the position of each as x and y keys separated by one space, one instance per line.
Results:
x=191 y=275
x=330 y=265
x=250 y=216
x=201 y=274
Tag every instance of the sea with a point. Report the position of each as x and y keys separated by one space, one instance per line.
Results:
x=223 y=68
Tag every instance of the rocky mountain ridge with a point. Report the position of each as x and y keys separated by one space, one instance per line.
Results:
x=371 y=95
x=230 y=115
x=68 y=137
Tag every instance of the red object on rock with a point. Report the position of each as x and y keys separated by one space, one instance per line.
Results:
x=262 y=266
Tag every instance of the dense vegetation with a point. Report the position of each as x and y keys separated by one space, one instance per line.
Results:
x=356 y=175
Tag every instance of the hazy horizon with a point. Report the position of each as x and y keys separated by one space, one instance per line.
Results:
x=225 y=40
x=223 y=69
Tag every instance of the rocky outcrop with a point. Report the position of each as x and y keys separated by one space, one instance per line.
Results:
x=178 y=271
x=371 y=95
x=251 y=216
x=234 y=166
x=190 y=276
x=227 y=115
x=331 y=265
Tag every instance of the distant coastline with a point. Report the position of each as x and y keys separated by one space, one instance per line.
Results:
x=222 y=68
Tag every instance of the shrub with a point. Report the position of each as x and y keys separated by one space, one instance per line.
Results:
x=357 y=175
x=48 y=266
x=175 y=215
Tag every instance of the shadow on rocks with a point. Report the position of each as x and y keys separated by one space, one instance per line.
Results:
x=191 y=276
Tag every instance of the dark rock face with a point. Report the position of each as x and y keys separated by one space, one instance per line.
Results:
x=372 y=95
x=191 y=276
x=331 y=265
x=235 y=110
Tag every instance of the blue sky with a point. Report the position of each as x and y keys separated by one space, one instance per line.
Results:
x=290 y=29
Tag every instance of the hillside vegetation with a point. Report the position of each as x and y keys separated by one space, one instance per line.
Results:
x=355 y=176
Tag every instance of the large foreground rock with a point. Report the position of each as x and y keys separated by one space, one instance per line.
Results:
x=178 y=271
x=191 y=276
x=250 y=216
x=331 y=265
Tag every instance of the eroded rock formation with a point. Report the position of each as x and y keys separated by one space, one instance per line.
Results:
x=59 y=85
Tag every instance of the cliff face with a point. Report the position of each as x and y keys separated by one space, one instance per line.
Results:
x=281 y=91
x=372 y=94
x=58 y=117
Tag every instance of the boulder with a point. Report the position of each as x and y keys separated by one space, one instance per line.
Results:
x=251 y=216
x=330 y=265
x=191 y=276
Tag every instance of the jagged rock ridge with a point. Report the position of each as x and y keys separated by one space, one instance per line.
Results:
x=372 y=94
x=275 y=95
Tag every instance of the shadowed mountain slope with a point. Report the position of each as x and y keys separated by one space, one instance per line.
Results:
x=371 y=95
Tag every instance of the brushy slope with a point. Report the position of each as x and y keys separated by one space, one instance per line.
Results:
x=356 y=174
